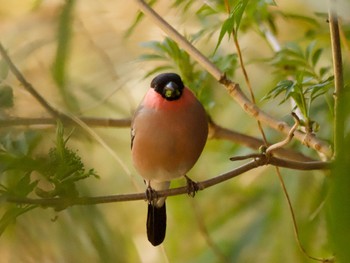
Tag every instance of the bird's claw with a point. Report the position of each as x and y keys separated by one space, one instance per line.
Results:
x=151 y=195
x=192 y=187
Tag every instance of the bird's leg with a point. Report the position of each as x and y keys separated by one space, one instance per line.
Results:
x=151 y=195
x=192 y=187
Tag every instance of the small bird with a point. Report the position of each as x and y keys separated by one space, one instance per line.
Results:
x=168 y=133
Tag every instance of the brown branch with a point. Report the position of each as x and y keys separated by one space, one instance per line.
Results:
x=257 y=162
x=26 y=84
x=232 y=87
x=289 y=137
x=91 y=121
x=216 y=132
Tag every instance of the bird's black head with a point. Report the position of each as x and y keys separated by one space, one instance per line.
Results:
x=169 y=85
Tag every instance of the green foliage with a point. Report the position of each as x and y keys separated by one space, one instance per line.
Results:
x=232 y=23
x=59 y=69
x=305 y=82
x=62 y=168
x=173 y=58
x=22 y=174
x=4 y=70
x=6 y=93
x=6 y=96
x=249 y=210
x=137 y=20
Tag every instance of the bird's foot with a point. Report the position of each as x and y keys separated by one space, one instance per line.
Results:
x=192 y=187
x=151 y=195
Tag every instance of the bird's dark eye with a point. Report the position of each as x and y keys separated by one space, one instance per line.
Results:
x=171 y=91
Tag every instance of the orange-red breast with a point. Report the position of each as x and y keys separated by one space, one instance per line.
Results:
x=169 y=131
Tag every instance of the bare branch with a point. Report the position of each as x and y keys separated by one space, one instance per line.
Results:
x=261 y=161
x=91 y=121
x=26 y=84
x=287 y=139
x=218 y=132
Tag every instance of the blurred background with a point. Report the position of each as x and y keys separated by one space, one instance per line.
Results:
x=92 y=58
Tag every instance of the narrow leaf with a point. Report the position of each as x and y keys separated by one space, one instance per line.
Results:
x=6 y=96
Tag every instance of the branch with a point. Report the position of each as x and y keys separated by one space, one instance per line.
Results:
x=91 y=121
x=233 y=88
x=339 y=107
x=26 y=84
x=261 y=160
x=289 y=137
x=216 y=132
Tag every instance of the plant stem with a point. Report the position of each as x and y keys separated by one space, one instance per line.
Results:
x=339 y=109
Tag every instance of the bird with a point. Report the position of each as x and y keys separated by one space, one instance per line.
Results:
x=168 y=133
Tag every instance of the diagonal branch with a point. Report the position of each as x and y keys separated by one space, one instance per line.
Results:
x=233 y=88
x=26 y=84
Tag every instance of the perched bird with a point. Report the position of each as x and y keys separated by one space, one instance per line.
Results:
x=169 y=131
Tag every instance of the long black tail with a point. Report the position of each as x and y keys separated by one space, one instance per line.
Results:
x=156 y=224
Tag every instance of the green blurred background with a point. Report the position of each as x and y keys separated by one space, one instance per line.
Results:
x=77 y=55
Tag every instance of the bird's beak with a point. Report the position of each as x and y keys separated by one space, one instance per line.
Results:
x=171 y=90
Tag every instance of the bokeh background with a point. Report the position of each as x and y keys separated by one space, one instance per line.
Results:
x=245 y=219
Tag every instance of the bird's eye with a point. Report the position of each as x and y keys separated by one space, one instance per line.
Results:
x=168 y=93
x=171 y=91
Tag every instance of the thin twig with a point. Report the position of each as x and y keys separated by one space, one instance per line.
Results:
x=26 y=84
x=294 y=221
x=249 y=85
x=91 y=121
x=257 y=162
x=289 y=137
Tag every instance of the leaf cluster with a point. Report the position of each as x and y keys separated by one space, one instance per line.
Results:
x=173 y=58
x=47 y=176
x=302 y=80
x=6 y=93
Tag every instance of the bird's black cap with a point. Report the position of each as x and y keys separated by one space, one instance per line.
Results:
x=169 y=85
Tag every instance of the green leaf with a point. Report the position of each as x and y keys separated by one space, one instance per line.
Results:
x=6 y=96
x=232 y=23
x=324 y=70
x=316 y=56
x=63 y=37
x=137 y=20
x=271 y=2
x=20 y=163
x=309 y=50
x=11 y=214
x=63 y=168
x=157 y=70
x=238 y=11
x=282 y=86
x=227 y=28
x=59 y=68
x=4 y=70
x=151 y=57
x=321 y=88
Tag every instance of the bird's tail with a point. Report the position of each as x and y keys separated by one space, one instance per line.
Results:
x=156 y=223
